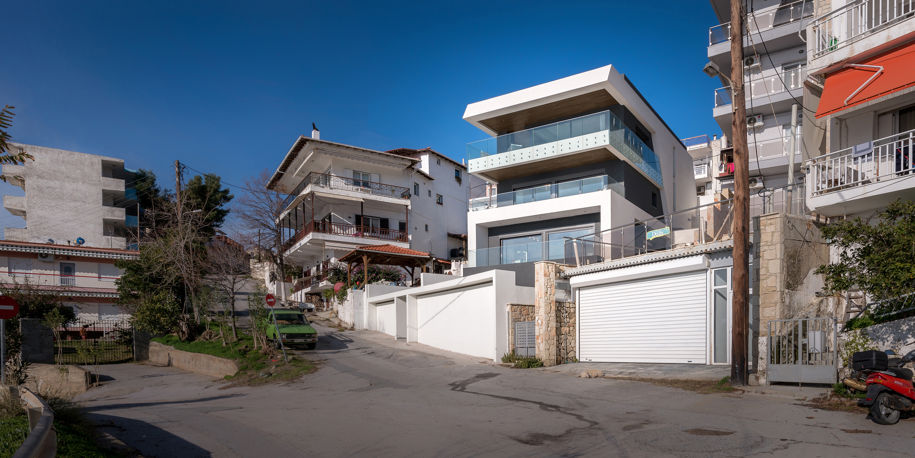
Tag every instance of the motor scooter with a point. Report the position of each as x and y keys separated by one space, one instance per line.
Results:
x=889 y=385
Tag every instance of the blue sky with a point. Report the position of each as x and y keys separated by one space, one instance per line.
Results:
x=227 y=86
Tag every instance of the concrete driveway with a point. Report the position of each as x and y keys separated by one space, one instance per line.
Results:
x=376 y=397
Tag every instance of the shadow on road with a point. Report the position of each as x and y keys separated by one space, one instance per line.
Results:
x=160 y=403
x=333 y=341
x=145 y=438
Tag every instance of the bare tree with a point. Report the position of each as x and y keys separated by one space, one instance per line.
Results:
x=227 y=268
x=259 y=210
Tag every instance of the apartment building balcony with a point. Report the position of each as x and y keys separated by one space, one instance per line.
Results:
x=113 y=213
x=862 y=177
x=860 y=27
x=778 y=26
x=702 y=170
x=16 y=233
x=540 y=193
x=341 y=235
x=14 y=175
x=15 y=205
x=765 y=94
x=347 y=188
x=564 y=143
x=112 y=185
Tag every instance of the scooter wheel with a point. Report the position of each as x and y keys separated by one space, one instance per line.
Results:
x=882 y=413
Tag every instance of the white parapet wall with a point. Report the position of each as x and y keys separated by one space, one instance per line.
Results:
x=464 y=314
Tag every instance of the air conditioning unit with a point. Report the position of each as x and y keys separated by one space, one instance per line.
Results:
x=754 y=121
x=755 y=183
x=45 y=257
x=751 y=62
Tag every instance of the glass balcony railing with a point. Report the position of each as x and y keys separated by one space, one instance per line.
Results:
x=538 y=193
x=764 y=20
x=561 y=250
x=620 y=137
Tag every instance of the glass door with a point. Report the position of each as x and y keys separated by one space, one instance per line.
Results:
x=721 y=315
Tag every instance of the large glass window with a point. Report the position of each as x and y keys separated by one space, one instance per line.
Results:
x=526 y=248
x=559 y=250
x=362 y=179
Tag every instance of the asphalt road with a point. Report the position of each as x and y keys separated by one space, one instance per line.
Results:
x=376 y=397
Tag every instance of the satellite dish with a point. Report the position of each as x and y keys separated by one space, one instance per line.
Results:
x=80 y=240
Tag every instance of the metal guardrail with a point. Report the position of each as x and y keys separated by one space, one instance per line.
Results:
x=42 y=439
x=856 y=20
x=765 y=20
x=882 y=159
x=347 y=230
x=329 y=181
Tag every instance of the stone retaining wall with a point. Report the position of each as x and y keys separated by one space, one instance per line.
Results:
x=58 y=380
x=517 y=313
x=213 y=366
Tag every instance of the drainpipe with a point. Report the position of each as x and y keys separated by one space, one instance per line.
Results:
x=792 y=146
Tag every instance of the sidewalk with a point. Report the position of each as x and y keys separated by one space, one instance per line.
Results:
x=647 y=370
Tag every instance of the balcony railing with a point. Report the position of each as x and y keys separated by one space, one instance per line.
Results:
x=699 y=141
x=621 y=138
x=764 y=20
x=700 y=225
x=884 y=159
x=329 y=181
x=538 y=193
x=700 y=169
x=346 y=230
x=696 y=226
x=786 y=80
x=856 y=20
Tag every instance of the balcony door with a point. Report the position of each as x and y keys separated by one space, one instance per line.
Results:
x=68 y=274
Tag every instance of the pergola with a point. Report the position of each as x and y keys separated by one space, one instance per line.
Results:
x=386 y=255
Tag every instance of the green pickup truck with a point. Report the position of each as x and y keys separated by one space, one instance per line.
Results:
x=295 y=330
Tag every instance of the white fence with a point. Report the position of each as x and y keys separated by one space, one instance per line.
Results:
x=465 y=315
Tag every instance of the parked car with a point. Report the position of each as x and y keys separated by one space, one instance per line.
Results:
x=294 y=329
x=307 y=307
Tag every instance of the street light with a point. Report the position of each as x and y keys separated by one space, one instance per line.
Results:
x=711 y=69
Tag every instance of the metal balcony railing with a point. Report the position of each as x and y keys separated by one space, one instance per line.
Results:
x=764 y=20
x=620 y=137
x=347 y=230
x=539 y=193
x=880 y=160
x=786 y=80
x=329 y=181
x=856 y=20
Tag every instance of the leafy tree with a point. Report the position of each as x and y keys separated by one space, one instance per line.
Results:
x=876 y=256
x=157 y=314
x=207 y=195
x=7 y=154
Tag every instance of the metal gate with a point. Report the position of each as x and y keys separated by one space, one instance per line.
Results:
x=803 y=350
x=525 y=341
x=87 y=341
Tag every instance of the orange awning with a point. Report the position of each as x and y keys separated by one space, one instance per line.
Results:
x=897 y=73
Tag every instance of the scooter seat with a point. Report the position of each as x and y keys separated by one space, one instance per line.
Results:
x=901 y=372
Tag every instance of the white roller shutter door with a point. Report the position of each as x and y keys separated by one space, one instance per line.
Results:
x=654 y=320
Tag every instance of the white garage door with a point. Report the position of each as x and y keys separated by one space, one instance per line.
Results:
x=656 y=320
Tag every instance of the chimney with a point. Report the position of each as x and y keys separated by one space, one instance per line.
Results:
x=315 y=133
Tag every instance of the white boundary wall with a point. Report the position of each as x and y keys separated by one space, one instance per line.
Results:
x=466 y=315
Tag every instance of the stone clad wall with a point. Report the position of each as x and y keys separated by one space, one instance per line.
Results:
x=555 y=321
x=516 y=313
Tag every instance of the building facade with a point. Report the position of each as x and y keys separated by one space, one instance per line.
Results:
x=568 y=158
x=82 y=277
x=72 y=198
x=862 y=89
x=341 y=197
x=775 y=66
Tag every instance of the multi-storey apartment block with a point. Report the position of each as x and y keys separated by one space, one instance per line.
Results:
x=775 y=66
x=342 y=197
x=568 y=158
x=861 y=59
x=72 y=199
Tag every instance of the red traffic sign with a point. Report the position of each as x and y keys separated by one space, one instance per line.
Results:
x=271 y=300
x=8 y=307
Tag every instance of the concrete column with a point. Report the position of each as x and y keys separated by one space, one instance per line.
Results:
x=545 y=323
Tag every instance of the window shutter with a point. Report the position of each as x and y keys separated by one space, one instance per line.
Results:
x=385 y=223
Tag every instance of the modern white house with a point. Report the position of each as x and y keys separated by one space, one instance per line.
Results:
x=568 y=158
x=342 y=197
x=775 y=66
x=72 y=198
x=863 y=91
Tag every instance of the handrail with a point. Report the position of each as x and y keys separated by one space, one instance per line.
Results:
x=331 y=181
x=886 y=157
x=806 y=8
x=863 y=16
x=347 y=230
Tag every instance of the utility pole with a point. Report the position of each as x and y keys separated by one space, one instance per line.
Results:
x=741 y=276
x=178 y=188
